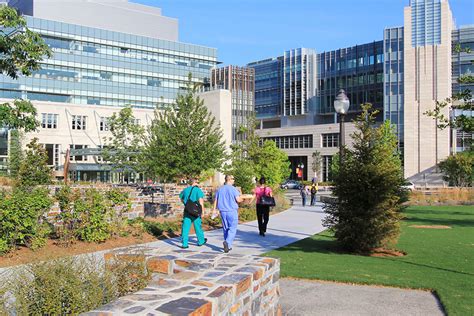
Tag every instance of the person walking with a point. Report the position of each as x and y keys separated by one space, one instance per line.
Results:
x=304 y=192
x=226 y=201
x=194 y=194
x=314 y=191
x=263 y=211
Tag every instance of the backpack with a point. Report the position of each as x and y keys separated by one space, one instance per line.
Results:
x=314 y=189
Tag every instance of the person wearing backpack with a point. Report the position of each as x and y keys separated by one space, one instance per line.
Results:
x=194 y=195
x=263 y=211
x=314 y=191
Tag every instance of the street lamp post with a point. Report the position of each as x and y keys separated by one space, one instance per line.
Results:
x=341 y=105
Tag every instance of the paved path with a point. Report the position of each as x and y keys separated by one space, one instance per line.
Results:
x=325 y=298
x=284 y=228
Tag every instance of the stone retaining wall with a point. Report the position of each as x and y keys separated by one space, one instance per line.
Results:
x=143 y=205
x=199 y=283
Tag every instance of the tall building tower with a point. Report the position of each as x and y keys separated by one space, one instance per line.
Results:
x=427 y=78
x=240 y=81
x=299 y=81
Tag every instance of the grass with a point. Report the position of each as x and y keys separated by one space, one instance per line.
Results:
x=441 y=260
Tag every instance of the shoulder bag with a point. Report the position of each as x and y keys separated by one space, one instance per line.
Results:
x=266 y=199
x=192 y=208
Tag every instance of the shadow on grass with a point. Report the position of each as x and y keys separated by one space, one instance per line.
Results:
x=409 y=211
x=429 y=266
x=440 y=221
x=326 y=246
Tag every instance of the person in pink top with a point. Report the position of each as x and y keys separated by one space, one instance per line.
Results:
x=263 y=211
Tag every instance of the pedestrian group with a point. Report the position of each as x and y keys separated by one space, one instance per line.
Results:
x=226 y=201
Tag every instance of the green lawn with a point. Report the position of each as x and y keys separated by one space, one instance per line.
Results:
x=441 y=260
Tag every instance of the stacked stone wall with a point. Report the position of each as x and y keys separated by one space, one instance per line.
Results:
x=199 y=283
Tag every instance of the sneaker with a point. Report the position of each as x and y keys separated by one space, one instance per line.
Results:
x=226 y=247
x=205 y=241
x=184 y=247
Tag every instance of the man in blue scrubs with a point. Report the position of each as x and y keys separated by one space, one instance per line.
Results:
x=226 y=201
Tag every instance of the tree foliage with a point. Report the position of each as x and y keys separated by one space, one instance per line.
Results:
x=254 y=158
x=22 y=221
x=183 y=140
x=367 y=185
x=16 y=154
x=123 y=148
x=34 y=168
x=458 y=169
x=21 y=50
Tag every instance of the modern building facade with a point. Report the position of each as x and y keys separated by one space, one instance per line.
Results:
x=359 y=71
x=427 y=78
x=131 y=57
x=240 y=81
x=393 y=42
x=268 y=87
x=403 y=76
x=463 y=66
x=285 y=88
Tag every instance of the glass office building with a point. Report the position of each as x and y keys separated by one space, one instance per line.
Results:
x=393 y=79
x=93 y=66
x=268 y=87
x=358 y=70
x=462 y=65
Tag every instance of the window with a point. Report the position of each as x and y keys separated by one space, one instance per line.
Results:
x=136 y=121
x=104 y=124
x=49 y=120
x=330 y=140
x=79 y=122
x=326 y=170
x=293 y=142
x=73 y=156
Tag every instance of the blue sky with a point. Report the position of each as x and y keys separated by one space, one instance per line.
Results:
x=249 y=30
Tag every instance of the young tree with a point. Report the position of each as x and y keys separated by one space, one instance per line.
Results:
x=367 y=185
x=21 y=51
x=34 y=168
x=123 y=148
x=183 y=140
x=316 y=165
x=271 y=163
x=16 y=154
x=459 y=169
x=254 y=158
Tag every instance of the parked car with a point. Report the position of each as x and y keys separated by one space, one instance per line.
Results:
x=291 y=184
x=409 y=186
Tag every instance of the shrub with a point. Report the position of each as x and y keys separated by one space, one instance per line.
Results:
x=22 y=219
x=34 y=168
x=69 y=286
x=67 y=221
x=128 y=276
x=93 y=212
x=247 y=214
x=367 y=185
x=458 y=169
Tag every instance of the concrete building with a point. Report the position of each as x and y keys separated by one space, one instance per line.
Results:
x=427 y=78
x=132 y=57
x=240 y=81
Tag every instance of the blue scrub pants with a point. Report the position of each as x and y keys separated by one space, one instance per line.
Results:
x=229 y=226
x=187 y=221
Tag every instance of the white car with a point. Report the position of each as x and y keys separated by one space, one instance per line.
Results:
x=409 y=186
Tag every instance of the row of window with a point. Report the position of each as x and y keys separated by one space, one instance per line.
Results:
x=78 y=122
x=292 y=142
